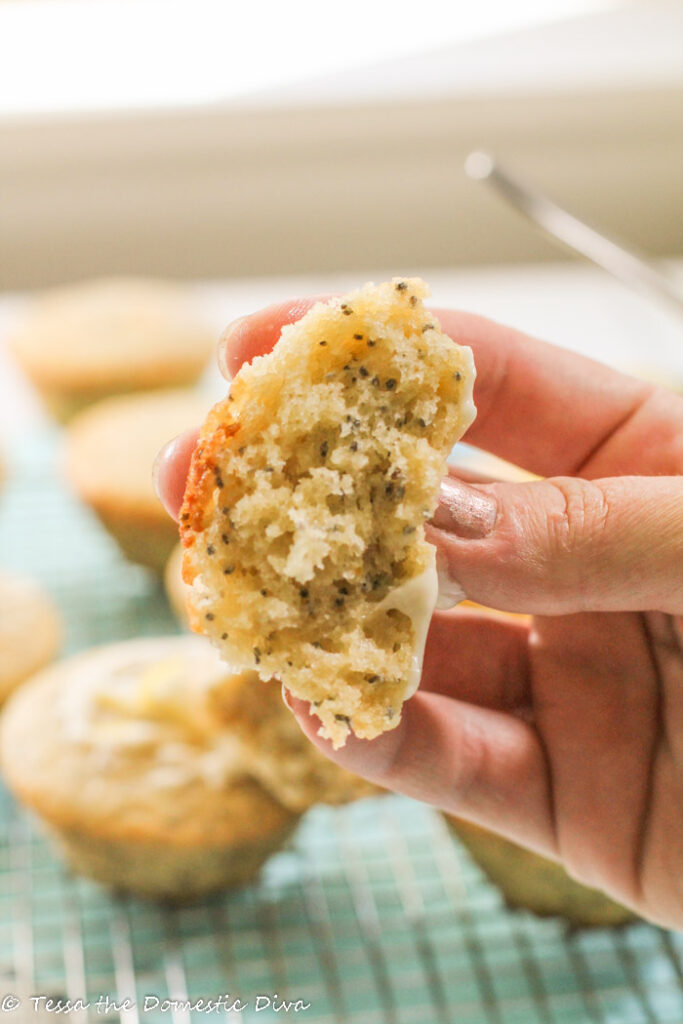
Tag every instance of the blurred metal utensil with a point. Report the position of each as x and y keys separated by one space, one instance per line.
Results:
x=623 y=264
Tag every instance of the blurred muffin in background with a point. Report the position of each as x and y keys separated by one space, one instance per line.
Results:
x=160 y=771
x=81 y=343
x=534 y=883
x=117 y=751
x=110 y=450
x=175 y=586
x=276 y=751
x=281 y=758
x=30 y=630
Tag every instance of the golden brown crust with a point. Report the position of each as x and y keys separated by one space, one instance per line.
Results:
x=215 y=438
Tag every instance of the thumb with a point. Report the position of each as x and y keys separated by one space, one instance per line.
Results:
x=564 y=544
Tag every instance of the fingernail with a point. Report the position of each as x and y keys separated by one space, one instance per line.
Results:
x=465 y=511
x=227 y=336
x=286 y=698
x=450 y=591
x=170 y=469
x=161 y=460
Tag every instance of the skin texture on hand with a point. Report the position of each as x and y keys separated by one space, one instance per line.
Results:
x=561 y=726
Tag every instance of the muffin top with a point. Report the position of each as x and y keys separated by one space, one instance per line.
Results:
x=130 y=737
x=123 y=333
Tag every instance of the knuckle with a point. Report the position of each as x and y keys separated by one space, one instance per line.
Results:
x=581 y=516
x=575 y=530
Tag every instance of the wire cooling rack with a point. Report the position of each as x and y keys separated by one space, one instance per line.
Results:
x=371 y=915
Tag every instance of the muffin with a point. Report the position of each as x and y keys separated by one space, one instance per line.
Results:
x=118 y=752
x=110 y=451
x=530 y=881
x=30 y=630
x=285 y=763
x=81 y=343
x=303 y=515
x=276 y=751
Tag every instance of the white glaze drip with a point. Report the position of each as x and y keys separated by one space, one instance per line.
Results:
x=416 y=598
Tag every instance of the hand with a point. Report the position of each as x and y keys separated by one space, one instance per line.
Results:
x=562 y=731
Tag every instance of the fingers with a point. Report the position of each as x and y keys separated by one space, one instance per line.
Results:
x=476 y=763
x=599 y=704
x=170 y=470
x=541 y=407
x=256 y=334
x=242 y=340
x=527 y=393
x=551 y=410
x=564 y=545
x=478 y=657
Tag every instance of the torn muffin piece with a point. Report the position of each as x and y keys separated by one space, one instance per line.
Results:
x=303 y=518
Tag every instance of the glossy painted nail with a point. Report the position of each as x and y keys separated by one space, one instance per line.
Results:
x=170 y=469
x=234 y=328
x=159 y=466
x=466 y=511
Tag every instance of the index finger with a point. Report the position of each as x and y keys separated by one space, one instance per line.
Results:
x=256 y=334
x=557 y=413
x=545 y=408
